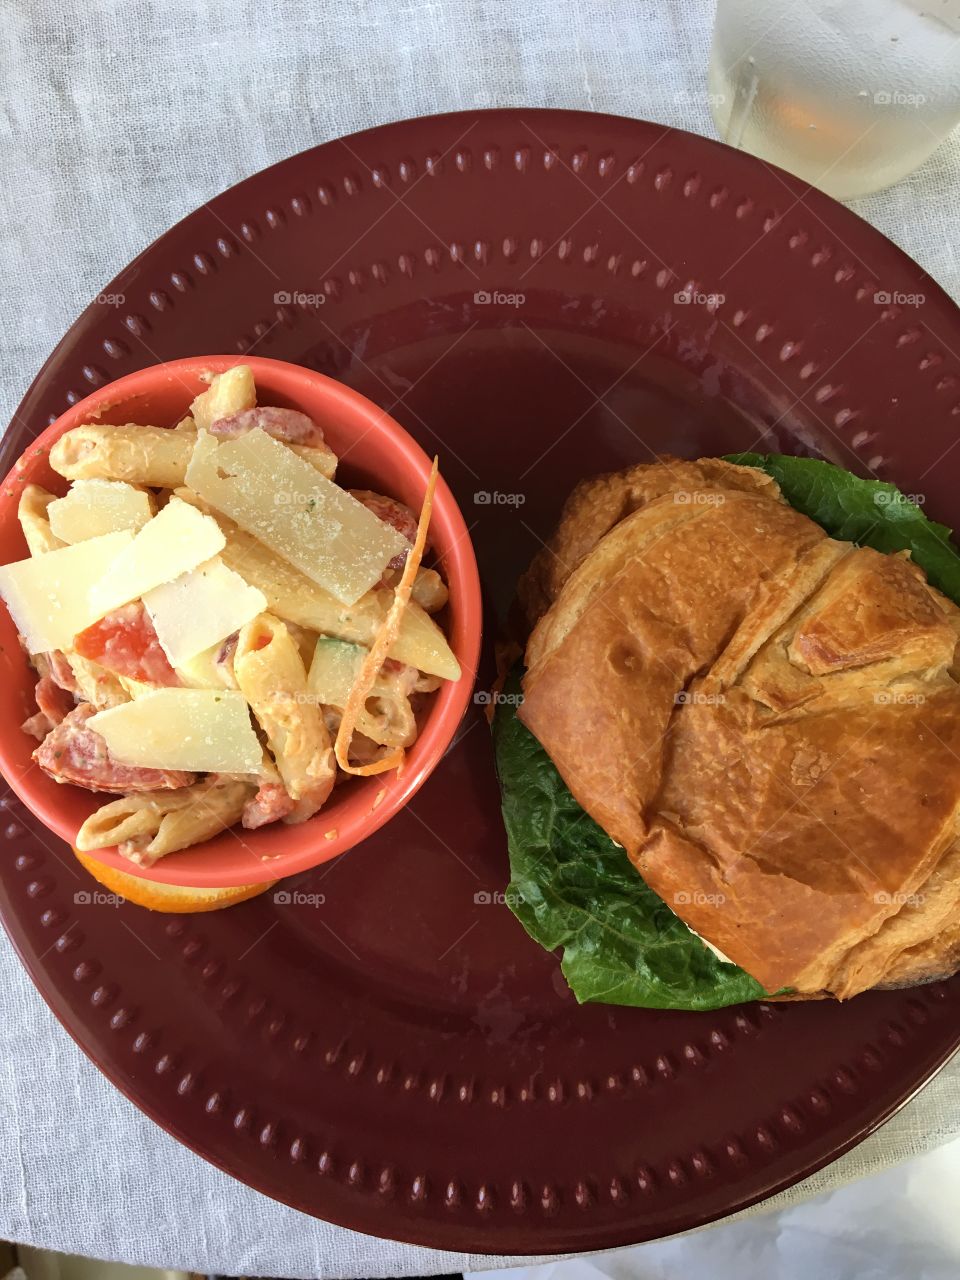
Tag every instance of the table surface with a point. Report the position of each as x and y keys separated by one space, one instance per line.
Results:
x=116 y=123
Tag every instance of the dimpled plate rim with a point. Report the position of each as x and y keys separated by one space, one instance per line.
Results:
x=400 y=1193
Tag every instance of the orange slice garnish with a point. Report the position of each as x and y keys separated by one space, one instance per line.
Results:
x=166 y=897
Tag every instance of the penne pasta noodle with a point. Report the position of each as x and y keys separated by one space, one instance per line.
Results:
x=146 y=826
x=387 y=717
x=34 y=521
x=228 y=393
x=429 y=591
x=152 y=456
x=388 y=720
x=273 y=679
x=131 y=818
x=419 y=642
x=305 y=640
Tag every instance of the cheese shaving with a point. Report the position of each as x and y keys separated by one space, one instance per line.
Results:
x=384 y=638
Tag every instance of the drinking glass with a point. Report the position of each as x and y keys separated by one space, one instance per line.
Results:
x=850 y=95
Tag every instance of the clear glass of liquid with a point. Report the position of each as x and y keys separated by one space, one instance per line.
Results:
x=850 y=95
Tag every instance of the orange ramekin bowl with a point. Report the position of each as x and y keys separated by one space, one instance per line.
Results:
x=378 y=454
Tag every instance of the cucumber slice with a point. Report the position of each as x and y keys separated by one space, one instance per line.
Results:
x=333 y=670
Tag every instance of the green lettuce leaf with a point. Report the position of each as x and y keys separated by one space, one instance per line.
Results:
x=572 y=887
x=870 y=512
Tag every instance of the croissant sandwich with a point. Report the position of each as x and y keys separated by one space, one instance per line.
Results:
x=764 y=718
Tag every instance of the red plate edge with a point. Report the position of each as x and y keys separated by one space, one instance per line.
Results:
x=61 y=1006
x=476 y=1243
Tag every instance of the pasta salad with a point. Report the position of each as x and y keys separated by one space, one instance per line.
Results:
x=221 y=633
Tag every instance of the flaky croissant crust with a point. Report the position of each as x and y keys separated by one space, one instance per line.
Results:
x=767 y=719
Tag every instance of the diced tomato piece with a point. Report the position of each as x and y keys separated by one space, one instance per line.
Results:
x=126 y=643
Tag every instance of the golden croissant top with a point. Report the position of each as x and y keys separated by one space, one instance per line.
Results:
x=765 y=718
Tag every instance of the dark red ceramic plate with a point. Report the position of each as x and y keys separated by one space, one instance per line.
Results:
x=386 y=1048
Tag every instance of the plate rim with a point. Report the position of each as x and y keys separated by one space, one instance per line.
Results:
x=473 y=1236
x=791 y=181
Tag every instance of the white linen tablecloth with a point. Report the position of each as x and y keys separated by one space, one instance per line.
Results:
x=120 y=117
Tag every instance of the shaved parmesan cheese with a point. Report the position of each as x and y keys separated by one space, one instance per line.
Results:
x=49 y=596
x=172 y=543
x=294 y=510
x=202 y=730
x=95 y=507
x=201 y=608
